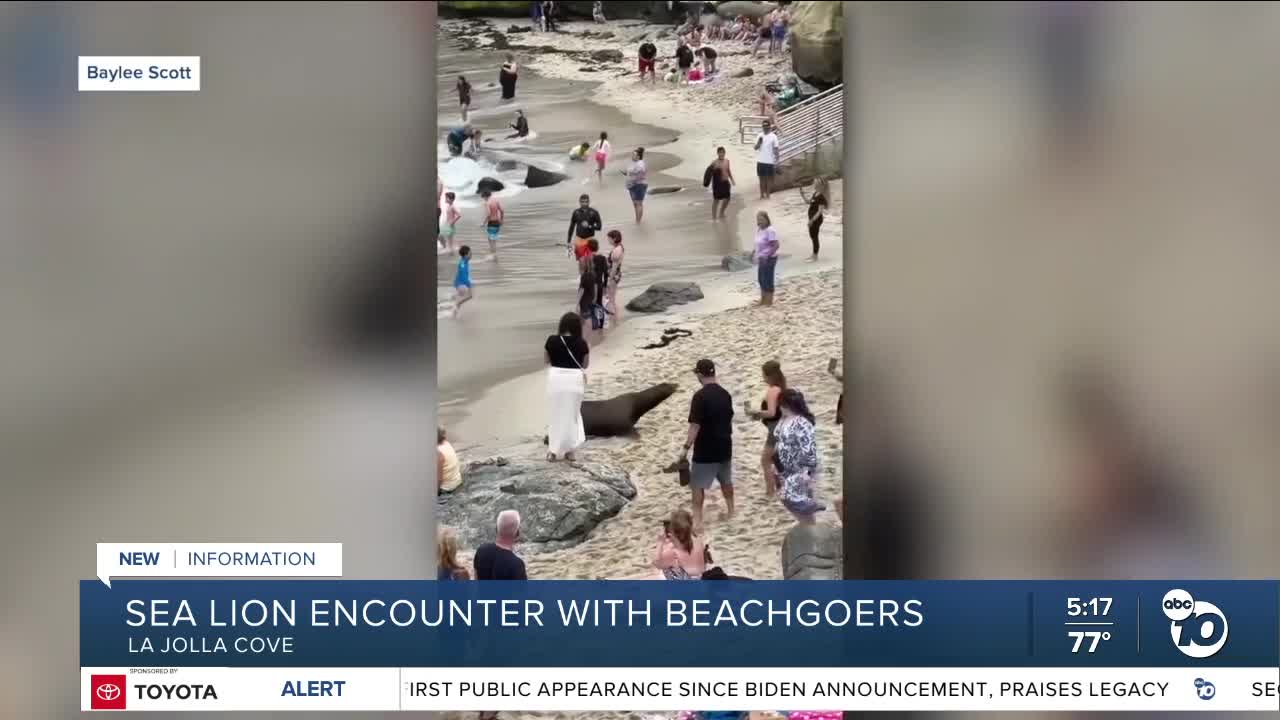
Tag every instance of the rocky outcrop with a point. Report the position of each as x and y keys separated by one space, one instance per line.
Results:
x=655 y=11
x=661 y=296
x=736 y=262
x=817 y=43
x=536 y=177
x=741 y=7
x=813 y=552
x=490 y=184
x=559 y=503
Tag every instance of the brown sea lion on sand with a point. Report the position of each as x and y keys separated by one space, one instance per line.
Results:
x=619 y=415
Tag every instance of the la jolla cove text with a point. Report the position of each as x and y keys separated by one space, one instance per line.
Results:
x=522 y=613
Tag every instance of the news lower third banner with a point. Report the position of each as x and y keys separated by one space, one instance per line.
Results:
x=670 y=646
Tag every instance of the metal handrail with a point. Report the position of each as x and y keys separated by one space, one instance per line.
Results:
x=803 y=126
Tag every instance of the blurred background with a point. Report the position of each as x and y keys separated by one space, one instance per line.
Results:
x=217 y=307
x=1063 y=303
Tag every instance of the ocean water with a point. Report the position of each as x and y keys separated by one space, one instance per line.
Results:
x=520 y=297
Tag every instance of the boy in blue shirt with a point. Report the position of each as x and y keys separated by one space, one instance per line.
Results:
x=462 y=279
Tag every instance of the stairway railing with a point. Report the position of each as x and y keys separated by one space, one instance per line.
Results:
x=803 y=126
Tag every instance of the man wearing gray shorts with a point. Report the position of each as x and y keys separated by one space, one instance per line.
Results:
x=710 y=437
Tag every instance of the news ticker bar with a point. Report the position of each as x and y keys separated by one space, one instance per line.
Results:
x=677 y=689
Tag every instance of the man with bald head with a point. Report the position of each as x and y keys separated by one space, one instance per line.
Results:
x=498 y=560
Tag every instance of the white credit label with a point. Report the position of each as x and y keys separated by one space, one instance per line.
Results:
x=139 y=73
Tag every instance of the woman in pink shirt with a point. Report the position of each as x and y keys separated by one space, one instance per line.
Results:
x=766 y=256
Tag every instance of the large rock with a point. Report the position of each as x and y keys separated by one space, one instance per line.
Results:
x=608 y=55
x=661 y=296
x=490 y=184
x=499 y=41
x=813 y=552
x=750 y=9
x=536 y=177
x=817 y=43
x=559 y=503
x=737 y=262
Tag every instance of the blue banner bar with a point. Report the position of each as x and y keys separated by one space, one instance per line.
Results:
x=677 y=624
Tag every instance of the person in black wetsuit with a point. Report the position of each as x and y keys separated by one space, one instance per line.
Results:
x=584 y=222
x=521 y=126
x=507 y=77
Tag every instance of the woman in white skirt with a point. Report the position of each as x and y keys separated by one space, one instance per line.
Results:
x=567 y=355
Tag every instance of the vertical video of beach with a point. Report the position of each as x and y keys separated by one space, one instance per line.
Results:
x=492 y=372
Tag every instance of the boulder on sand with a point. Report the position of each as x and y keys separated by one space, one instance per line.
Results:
x=536 y=177
x=817 y=43
x=499 y=41
x=813 y=552
x=736 y=262
x=742 y=72
x=607 y=55
x=559 y=503
x=661 y=296
x=490 y=184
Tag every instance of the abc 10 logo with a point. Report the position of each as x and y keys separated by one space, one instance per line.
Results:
x=1199 y=628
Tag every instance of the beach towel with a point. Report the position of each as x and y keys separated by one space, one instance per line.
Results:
x=565 y=389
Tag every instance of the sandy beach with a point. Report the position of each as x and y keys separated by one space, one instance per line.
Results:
x=802 y=331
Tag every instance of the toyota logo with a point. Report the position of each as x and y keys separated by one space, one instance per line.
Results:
x=107 y=692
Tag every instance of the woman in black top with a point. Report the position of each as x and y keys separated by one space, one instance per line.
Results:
x=464 y=96
x=507 y=77
x=769 y=414
x=817 y=209
x=567 y=355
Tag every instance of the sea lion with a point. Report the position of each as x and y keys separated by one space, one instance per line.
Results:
x=619 y=415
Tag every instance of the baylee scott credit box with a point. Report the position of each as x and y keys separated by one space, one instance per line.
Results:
x=129 y=73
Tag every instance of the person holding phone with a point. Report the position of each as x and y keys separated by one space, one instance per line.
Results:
x=681 y=553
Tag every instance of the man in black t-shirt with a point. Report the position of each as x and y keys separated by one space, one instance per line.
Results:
x=710 y=436
x=498 y=560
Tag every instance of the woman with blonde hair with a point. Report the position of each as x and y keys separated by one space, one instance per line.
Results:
x=448 y=567
x=680 y=555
